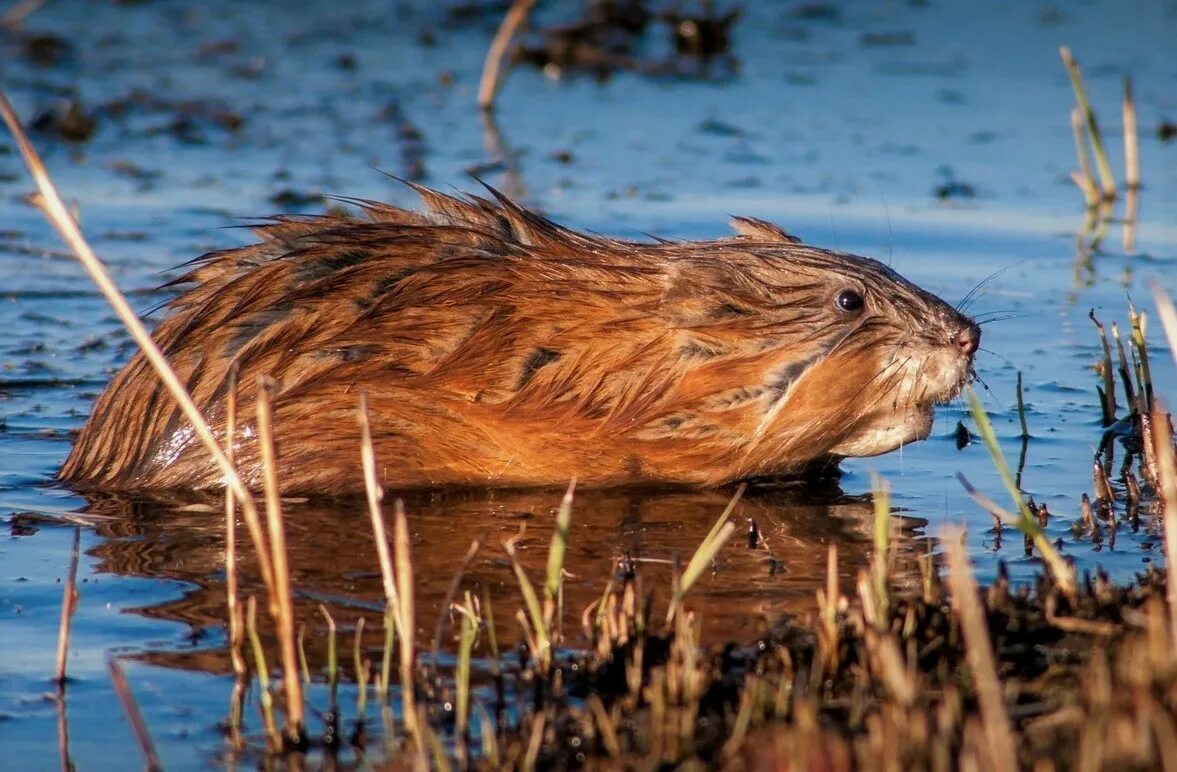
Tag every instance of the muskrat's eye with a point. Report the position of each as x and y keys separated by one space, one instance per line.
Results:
x=849 y=301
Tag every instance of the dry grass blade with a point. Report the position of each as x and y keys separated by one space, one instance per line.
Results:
x=232 y=604
x=492 y=69
x=475 y=546
x=1083 y=178
x=1131 y=139
x=966 y=603
x=1106 y=178
x=1168 y=315
x=69 y=603
x=407 y=623
x=18 y=13
x=53 y=207
x=131 y=708
x=281 y=602
x=375 y=494
x=880 y=560
x=1022 y=408
x=1167 y=481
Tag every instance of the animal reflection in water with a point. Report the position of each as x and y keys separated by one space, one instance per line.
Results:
x=333 y=558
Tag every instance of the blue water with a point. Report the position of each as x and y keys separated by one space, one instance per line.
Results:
x=842 y=142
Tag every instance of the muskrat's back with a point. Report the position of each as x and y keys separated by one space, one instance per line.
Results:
x=497 y=348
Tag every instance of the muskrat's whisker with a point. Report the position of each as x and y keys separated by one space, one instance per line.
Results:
x=995 y=312
x=992 y=395
x=993 y=353
x=971 y=295
x=1005 y=318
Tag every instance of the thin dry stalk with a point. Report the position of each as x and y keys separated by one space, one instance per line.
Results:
x=18 y=13
x=1131 y=140
x=534 y=741
x=232 y=604
x=69 y=603
x=375 y=495
x=1131 y=216
x=131 y=708
x=1022 y=408
x=1082 y=178
x=966 y=602
x=880 y=560
x=54 y=209
x=1106 y=178
x=281 y=602
x=492 y=70
x=1167 y=480
x=1168 y=315
x=439 y=628
x=1106 y=372
x=67 y=764
x=408 y=652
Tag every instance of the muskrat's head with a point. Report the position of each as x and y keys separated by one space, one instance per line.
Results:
x=844 y=356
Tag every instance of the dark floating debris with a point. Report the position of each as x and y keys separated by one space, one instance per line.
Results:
x=289 y=198
x=618 y=35
x=67 y=120
x=962 y=436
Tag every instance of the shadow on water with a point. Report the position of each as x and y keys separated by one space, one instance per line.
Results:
x=333 y=557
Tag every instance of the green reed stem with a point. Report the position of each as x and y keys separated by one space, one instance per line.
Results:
x=556 y=551
x=362 y=668
x=466 y=637
x=332 y=657
x=263 y=673
x=1024 y=521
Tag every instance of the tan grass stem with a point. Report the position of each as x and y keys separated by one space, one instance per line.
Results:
x=1106 y=178
x=55 y=210
x=966 y=603
x=69 y=603
x=492 y=69
x=18 y=13
x=134 y=716
x=408 y=626
x=1167 y=482
x=1131 y=138
x=232 y=602
x=281 y=601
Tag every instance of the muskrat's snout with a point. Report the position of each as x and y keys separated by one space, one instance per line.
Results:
x=968 y=339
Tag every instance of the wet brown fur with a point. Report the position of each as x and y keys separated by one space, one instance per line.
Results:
x=498 y=348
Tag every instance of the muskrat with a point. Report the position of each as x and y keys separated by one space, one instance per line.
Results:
x=497 y=348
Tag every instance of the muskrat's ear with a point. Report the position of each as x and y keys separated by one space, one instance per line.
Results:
x=762 y=230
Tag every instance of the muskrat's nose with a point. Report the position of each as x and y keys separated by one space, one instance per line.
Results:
x=968 y=339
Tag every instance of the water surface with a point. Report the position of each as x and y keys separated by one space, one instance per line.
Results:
x=933 y=137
